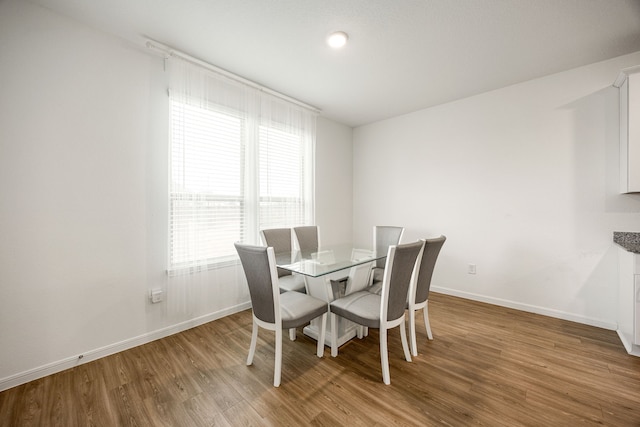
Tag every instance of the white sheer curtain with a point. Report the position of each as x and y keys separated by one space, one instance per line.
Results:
x=241 y=160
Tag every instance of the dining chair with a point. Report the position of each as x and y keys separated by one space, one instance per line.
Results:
x=384 y=311
x=280 y=239
x=273 y=310
x=420 y=285
x=308 y=239
x=358 y=280
x=383 y=237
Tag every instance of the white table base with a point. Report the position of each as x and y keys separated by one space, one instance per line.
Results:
x=320 y=287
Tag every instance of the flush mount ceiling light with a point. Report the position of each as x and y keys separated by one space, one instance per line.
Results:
x=337 y=40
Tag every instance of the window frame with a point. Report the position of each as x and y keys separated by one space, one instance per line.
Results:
x=250 y=220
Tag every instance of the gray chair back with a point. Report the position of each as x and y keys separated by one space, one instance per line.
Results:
x=255 y=262
x=280 y=240
x=307 y=237
x=427 y=264
x=402 y=262
x=383 y=237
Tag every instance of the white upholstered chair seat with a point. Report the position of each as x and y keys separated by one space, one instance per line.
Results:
x=292 y=282
x=363 y=306
x=297 y=308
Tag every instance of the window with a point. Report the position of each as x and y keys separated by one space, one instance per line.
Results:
x=281 y=179
x=233 y=174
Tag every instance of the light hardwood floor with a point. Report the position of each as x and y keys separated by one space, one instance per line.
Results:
x=487 y=365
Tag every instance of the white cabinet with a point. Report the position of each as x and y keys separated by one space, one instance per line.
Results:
x=628 y=82
x=629 y=301
x=636 y=313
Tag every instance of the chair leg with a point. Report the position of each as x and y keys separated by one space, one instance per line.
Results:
x=384 y=356
x=412 y=332
x=334 y=336
x=405 y=344
x=292 y=334
x=323 y=329
x=425 y=312
x=254 y=340
x=277 y=372
x=365 y=331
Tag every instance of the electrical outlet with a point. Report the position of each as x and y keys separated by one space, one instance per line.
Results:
x=472 y=269
x=155 y=295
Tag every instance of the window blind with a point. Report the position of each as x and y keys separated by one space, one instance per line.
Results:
x=281 y=179
x=206 y=185
x=238 y=164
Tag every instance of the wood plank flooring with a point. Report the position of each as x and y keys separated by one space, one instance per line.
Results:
x=487 y=366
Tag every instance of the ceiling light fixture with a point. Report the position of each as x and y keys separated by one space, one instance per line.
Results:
x=337 y=40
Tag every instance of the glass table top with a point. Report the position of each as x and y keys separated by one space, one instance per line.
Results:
x=326 y=260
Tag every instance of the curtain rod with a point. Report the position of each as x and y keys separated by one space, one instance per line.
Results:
x=622 y=76
x=169 y=51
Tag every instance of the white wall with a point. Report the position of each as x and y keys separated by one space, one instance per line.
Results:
x=83 y=187
x=523 y=181
x=334 y=189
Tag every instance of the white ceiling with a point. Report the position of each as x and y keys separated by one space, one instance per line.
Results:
x=402 y=55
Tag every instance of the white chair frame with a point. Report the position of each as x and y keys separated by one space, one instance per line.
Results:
x=385 y=324
x=292 y=331
x=277 y=326
x=414 y=306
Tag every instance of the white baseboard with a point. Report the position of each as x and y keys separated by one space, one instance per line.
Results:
x=91 y=355
x=631 y=348
x=529 y=308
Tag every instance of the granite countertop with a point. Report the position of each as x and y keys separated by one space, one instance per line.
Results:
x=628 y=240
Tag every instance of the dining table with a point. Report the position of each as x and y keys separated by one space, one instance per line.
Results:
x=331 y=271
